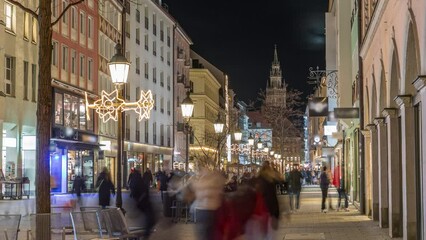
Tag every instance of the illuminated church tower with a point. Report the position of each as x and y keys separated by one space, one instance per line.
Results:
x=275 y=87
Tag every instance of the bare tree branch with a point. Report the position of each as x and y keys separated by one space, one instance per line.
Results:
x=65 y=10
x=28 y=10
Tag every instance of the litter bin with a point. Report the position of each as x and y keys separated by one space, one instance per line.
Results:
x=168 y=199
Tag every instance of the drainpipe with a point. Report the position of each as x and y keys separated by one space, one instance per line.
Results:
x=361 y=118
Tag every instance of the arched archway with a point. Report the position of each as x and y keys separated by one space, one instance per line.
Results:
x=373 y=112
x=383 y=89
x=411 y=62
x=395 y=79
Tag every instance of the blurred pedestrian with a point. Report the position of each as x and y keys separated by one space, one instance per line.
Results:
x=266 y=188
x=208 y=191
x=324 y=183
x=147 y=178
x=163 y=182
x=340 y=188
x=105 y=188
x=144 y=203
x=78 y=186
x=135 y=183
x=295 y=188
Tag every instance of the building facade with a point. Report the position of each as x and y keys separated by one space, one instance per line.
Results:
x=182 y=63
x=18 y=90
x=110 y=32
x=74 y=72
x=394 y=65
x=205 y=88
x=150 y=48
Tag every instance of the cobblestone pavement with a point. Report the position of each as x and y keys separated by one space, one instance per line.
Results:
x=308 y=223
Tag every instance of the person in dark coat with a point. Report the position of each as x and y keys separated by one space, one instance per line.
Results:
x=144 y=203
x=147 y=178
x=324 y=183
x=295 y=188
x=164 y=181
x=106 y=187
x=135 y=184
x=78 y=186
x=266 y=184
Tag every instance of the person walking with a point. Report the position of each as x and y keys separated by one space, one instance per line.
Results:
x=295 y=188
x=163 y=181
x=147 y=178
x=106 y=187
x=144 y=203
x=209 y=193
x=266 y=186
x=135 y=183
x=340 y=188
x=324 y=183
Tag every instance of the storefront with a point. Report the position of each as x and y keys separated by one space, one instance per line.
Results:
x=74 y=146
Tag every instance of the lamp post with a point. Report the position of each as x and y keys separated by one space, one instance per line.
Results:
x=187 y=107
x=119 y=69
x=237 y=136
x=112 y=105
x=218 y=128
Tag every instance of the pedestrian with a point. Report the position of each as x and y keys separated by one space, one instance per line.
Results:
x=324 y=182
x=208 y=191
x=295 y=188
x=144 y=203
x=163 y=181
x=340 y=188
x=105 y=188
x=78 y=186
x=135 y=183
x=147 y=178
x=266 y=188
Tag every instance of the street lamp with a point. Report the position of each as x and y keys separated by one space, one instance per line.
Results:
x=259 y=144
x=187 y=107
x=218 y=126
x=112 y=105
x=119 y=66
x=238 y=135
x=251 y=140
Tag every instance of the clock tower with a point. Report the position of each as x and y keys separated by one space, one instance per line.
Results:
x=275 y=87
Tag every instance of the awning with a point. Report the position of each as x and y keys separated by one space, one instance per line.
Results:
x=75 y=145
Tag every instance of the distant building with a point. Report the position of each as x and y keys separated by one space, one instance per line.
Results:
x=275 y=87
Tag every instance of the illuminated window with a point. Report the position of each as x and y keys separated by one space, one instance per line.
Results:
x=9 y=15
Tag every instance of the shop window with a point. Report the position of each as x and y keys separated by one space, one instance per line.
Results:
x=82 y=115
x=59 y=110
x=71 y=107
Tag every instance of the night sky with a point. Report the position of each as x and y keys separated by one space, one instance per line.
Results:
x=238 y=37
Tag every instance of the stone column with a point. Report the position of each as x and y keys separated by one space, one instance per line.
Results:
x=394 y=172
x=374 y=177
x=383 y=172
x=420 y=85
x=408 y=153
x=367 y=169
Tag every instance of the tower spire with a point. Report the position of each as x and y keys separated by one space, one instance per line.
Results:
x=275 y=55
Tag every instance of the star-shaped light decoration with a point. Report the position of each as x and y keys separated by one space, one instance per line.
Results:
x=110 y=105
x=144 y=105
